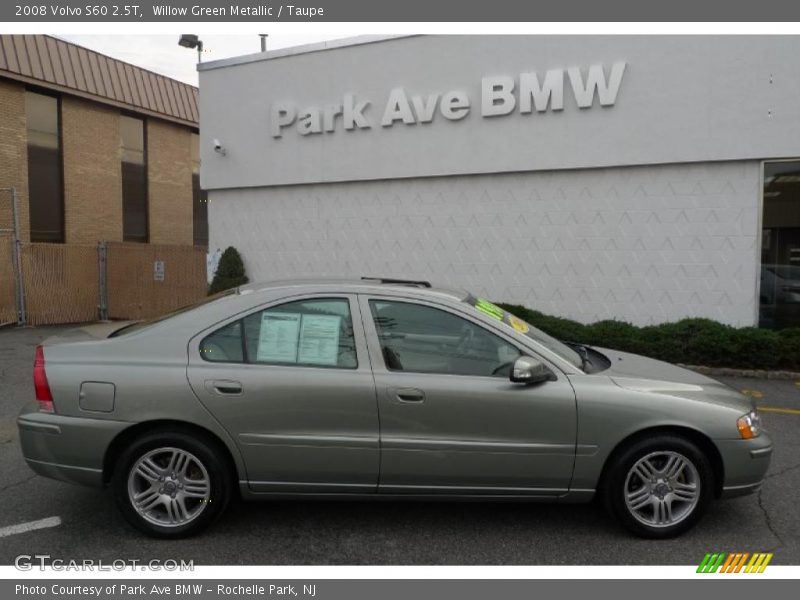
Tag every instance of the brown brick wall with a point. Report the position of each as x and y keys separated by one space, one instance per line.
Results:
x=169 y=169
x=92 y=172
x=14 y=153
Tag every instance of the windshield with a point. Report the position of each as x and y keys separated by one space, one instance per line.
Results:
x=520 y=326
x=139 y=325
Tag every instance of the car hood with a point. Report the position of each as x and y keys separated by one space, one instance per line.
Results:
x=635 y=372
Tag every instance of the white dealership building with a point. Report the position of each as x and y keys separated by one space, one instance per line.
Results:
x=638 y=178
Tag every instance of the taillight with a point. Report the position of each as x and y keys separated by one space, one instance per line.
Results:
x=43 y=395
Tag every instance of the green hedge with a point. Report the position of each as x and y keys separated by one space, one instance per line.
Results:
x=690 y=341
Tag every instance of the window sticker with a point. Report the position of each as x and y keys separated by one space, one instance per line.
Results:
x=277 y=340
x=490 y=309
x=518 y=324
x=319 y=340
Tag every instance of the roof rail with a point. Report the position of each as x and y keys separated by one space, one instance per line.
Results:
x=425 y=284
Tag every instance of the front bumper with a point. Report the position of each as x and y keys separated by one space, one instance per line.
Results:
x=67 y=448
x=745 y=463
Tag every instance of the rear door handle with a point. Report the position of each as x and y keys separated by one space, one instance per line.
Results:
x=410 y=395
x=224 y=387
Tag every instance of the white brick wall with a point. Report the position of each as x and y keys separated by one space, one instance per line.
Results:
x=641 y=244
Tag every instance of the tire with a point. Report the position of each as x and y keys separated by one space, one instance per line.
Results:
x=175 y=501
x=659 y=487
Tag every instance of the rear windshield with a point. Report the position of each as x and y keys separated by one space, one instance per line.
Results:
x=139 y=325
x=527 y=329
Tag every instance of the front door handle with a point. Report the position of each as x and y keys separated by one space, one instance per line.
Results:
x=224 y=387
x=410 y=395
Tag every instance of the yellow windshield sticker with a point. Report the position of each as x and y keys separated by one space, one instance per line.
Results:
x=490 y=309
x=518 y=324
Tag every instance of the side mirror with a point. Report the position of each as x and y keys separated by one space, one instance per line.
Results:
x=529 y=370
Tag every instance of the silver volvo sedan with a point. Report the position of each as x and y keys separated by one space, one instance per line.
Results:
x=378 y=388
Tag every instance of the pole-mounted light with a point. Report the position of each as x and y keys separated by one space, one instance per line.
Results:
x=189 y=40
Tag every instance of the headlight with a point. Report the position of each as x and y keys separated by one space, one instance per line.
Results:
x=749 y=425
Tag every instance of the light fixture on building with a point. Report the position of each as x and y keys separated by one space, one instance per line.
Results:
x=189 y=40
x=263 y=37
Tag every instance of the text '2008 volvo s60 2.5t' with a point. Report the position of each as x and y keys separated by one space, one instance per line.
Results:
x=378 y=388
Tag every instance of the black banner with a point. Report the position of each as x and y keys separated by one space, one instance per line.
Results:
x=733 y=588
x=781 y=11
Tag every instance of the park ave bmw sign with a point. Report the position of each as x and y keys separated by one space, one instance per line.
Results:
x=499 y=96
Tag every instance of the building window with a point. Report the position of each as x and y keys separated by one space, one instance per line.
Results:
x=45 y=181
x=199 y=198
x=134 y=179
x=779 y=296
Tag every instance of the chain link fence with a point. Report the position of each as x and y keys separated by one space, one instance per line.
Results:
x=8 y=307
x=9 y=263
x=46 y=284
x=145 y=281
x=60 y=283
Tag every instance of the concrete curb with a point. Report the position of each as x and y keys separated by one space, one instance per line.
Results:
x=752 y=373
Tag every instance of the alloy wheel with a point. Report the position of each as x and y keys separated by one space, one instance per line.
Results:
x=662 y=489
x=169 y=487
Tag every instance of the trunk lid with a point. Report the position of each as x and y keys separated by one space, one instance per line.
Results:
x=86 y=333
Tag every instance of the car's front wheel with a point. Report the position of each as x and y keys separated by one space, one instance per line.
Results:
x=659 y=487
x=171 y=484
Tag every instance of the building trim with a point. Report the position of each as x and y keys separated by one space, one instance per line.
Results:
x=359 y=40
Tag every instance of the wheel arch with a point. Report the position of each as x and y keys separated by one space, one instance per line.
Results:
x=704 y=442
x=126 y=436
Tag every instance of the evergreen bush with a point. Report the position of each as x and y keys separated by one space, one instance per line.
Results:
x=230 y=272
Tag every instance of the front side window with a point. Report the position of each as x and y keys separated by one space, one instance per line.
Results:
x=422 y=339
x=556 y=346
x=316 y=332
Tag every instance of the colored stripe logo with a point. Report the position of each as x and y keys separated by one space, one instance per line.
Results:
x=735 y=562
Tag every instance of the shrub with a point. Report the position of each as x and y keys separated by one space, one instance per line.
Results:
x=789 y=347
x=230 y=272
x=614 y=334
x=563 y=329
x=689 y=341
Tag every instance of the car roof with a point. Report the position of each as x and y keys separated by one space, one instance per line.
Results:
x=366 y=285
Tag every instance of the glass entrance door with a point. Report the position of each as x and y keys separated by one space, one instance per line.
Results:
x=779 y=297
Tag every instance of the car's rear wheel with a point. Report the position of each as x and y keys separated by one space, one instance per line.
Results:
x=659 y=487
x=171 y=484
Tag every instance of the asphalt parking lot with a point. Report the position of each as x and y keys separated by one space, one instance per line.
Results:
x=388 y=532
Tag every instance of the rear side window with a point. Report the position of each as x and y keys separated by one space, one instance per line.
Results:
x=224 y=345
x=316 y=332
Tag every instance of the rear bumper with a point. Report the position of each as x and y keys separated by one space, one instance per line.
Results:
x=746 y=463
x=67 y=448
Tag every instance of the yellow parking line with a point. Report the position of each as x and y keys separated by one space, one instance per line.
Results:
x=780 y=411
